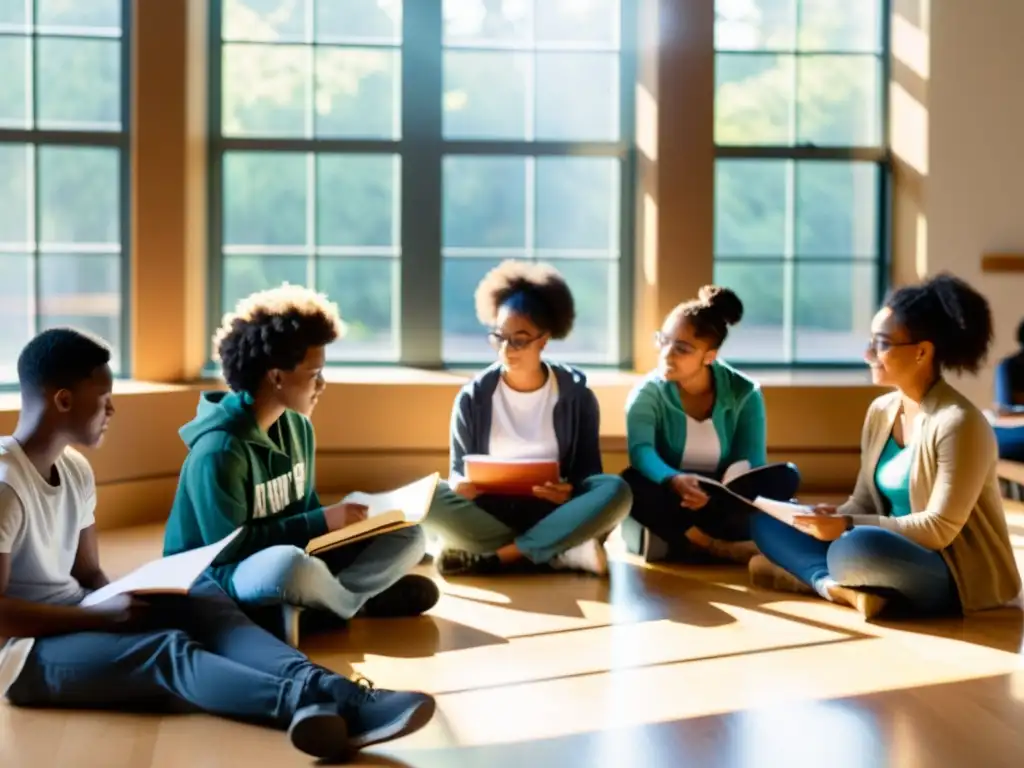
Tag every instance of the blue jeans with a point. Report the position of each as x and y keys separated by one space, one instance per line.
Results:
x=202 y=654
x=1011 y=442
x=488 y=524
x=339 y=581
x=867 y=557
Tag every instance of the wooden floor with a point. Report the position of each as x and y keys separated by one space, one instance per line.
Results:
x=656 y=667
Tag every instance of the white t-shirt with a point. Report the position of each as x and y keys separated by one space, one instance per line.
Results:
x=703 y=450
x=523 y=423
x=39 y=528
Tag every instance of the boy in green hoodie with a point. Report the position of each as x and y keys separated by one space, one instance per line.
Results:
x=250 y=464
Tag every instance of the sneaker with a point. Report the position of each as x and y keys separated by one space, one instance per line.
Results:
x=767 y=575
x=459 y=562
x=374 y=716
x=411 y=595
x=590 y=556
x=320 y=731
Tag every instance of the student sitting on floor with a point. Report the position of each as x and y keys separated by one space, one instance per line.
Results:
x=171 y=653
x=526 y=407
x=1009 y=401
x=925 y=526
x=251 y=463
x=697 y=416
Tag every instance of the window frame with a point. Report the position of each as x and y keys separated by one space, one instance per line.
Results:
x=880 y=156
x=120 y=140
x=422 y=148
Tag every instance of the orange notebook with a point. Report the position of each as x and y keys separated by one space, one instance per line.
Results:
x=509 y=477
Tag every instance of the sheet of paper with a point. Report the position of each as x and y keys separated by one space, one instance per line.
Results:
x=782 y=510
x=413 y=499
x=175 y=573
x=735 y=470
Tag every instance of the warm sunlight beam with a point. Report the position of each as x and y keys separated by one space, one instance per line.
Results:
x=646 y=123
x=910 y=45
x=909 y=131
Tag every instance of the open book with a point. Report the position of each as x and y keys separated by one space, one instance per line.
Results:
x=783 y=511
x=509 y=477
x=389 y=511
x=171 y=575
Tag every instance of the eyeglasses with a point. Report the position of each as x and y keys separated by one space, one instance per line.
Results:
x=515 y=343
x=663 y=340
x=877 y=344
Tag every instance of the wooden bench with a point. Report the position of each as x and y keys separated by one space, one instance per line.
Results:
x=1011 y=479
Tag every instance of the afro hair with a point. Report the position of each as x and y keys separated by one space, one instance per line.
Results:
x=536 y=290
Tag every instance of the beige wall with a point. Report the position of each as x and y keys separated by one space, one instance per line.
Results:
x=958 y=129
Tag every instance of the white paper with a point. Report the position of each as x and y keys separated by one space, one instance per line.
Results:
x=782 y=510
x=735 y=470
x=172 y=574
x=413 y=500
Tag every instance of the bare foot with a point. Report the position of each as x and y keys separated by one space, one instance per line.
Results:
x=866 y=604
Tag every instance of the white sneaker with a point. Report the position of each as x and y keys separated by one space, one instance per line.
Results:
x=589 y=556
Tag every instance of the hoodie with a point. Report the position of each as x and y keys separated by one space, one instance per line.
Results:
x=577 y=422
x=237 y=475
x=656 y=423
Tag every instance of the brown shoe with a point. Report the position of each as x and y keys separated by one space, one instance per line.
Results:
x=733 y=551
x=767 y=575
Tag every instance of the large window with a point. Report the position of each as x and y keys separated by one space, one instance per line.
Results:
x=801 y=174
x=390 y=153
x=63 y=171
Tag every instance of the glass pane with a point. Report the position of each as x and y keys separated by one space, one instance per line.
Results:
x=358 y=20
x=756 y=25
x=15 y=192
x=12 y=13
x=834 y=306
x=265 y=90
x=79 y=82
x=578 y=21
x=485 y=95
x=839 y=101
x=595 y=290
x=88 y=15
x=577 y=96
x=82 y=291
x=357 y=200
x=759 y=338
x=357 y=93
x=245 y=275
x=751 y=211
x=837 y=209
x=265 y=198
x=365 y=291
x=15 y=54
x=484 y=202
x=578 y=203
x=753 y=99
x=473 y=21
x=16 y=292
x=463 y=338
x=283 y=20
x=79 y=195
x=841 y=25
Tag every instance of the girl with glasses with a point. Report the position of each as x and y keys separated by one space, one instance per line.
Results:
x=924 y=529
x=696 y=416
x=526 y=407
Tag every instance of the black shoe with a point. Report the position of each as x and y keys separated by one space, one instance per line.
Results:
x=411 y=595
x=375 y=715
x=459 y=562
x=320 y=730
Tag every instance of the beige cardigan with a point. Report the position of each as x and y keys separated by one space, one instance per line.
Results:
x=954 y=493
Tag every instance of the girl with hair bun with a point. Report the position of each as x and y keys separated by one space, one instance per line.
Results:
x=521 y=407
x=924 y=529
x=697 y=416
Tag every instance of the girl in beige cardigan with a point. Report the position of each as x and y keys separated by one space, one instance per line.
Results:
x=924 y=527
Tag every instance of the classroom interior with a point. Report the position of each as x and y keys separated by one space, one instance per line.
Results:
x=660 y=664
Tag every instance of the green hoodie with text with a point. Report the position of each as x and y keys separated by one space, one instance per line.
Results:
x=237 y=475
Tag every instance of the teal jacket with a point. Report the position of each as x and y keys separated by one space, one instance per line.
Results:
x=656 y=423
x=236 y=475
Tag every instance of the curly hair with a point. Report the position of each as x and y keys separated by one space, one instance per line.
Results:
x=949 y=313
x=59 y=358
x=273 y=329
x=711 y=313
x=534 y=289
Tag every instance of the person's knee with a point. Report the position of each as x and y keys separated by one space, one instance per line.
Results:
x=619 y=495
x=860 y=555
x=291 y=570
